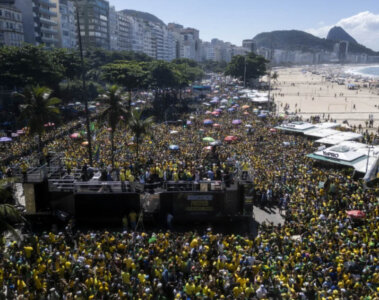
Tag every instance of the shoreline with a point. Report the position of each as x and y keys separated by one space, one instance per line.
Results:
x=315 y=91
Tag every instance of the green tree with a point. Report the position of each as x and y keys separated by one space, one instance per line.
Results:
x=255 y=66
x=29 y=65
x=139 y=127
x=38 y=108
x=214 y=66
x=126 y=73
x=70 y=61
x=113 y=97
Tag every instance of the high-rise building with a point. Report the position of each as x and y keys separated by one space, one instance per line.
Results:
x=123 y=33
x=113 y=30
x=66 y=20
x=11 y=28
x=250 y=45
x=40 y=27
x=94 y=23
x=175 y=30
x=147 y=34
x=191 y=44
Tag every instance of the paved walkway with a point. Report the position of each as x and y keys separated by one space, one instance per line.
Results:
x=267 y=215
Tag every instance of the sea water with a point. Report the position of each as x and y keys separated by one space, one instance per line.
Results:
x=368 y=71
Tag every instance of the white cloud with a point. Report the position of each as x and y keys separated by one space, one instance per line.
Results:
x=363 y=27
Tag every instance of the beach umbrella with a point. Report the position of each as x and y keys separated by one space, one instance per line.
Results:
x=213 y=101
x=246 y=113
x=272 y=130
x=216 y=143
x=235 y=97
x=188 y=123
x=222 y=107
x=356 y=214
x=192 y=117
x=208 y=139
x=14 y=134
x=208 y=122
x=174 y=132
x=5 y=139
x=245 y=106
x=173 y=147
x=230 y=138
x=249 y=126
x=215 y=113
x=255 y=110
x=215 y=98
x=75 y=135
x=236 y=122
x=232 y=109
x=224 y=101
x=236 y=105
x=85 y=143
x=208 y=148
x=208 y=112
x=20 y=131
x=206 y=104
x=153 y=239
x=262 y=116
x=216 y=125
x=218 y=110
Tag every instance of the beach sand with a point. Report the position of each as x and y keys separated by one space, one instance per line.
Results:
x=310 y=94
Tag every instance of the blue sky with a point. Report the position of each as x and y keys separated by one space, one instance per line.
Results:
x=240 y=19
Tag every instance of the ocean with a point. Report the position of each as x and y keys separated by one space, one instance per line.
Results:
x=369 y=71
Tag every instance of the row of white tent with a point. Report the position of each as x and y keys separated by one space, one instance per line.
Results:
x=338 y=147
x=254 y=95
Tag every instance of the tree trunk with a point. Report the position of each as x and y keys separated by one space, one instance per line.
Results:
x=137 y=148
x=112 y=145
x=130 y=99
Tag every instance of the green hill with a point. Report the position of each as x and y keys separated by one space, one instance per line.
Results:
x=303 y=41
x=338 y=34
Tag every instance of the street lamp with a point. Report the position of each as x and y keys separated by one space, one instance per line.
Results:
x=368 y=155
x=84 y=98
x=244 y=73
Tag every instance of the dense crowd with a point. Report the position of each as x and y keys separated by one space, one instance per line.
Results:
x=319 y=253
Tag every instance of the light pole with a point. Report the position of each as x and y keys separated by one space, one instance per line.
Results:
x=244 y=74
x=84 y=97
x=368 y=156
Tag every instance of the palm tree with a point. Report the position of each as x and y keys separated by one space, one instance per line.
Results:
x=113 y=96
x=9 y=215
x=275 y=76
x=139 y=126
x=38 y=109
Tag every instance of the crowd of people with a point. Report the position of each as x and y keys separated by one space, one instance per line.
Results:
x=319 y=253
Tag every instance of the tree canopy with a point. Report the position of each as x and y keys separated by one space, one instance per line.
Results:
x=255 y=66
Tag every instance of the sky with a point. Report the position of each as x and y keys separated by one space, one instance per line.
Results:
x=235 y=20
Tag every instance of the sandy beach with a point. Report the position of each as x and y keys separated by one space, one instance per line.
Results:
x=313 y=94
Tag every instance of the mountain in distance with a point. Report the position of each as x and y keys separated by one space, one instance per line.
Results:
x=338 y=34
x=143 y=15
x=303 y=41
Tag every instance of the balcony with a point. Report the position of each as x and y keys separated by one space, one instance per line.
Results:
x=46 y=2
x=49 y=40
x=46 y=12
x=45 y=30
x=48 y=21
